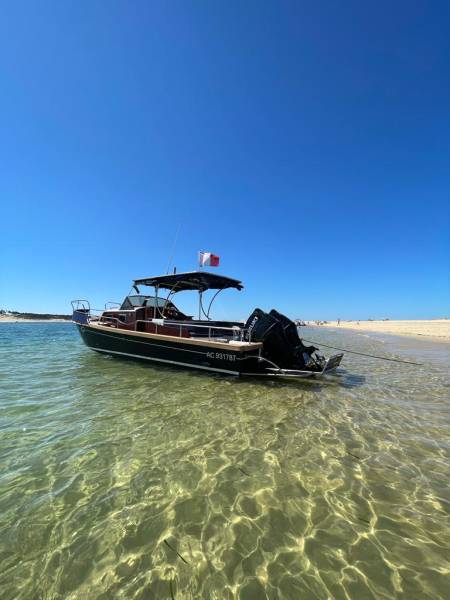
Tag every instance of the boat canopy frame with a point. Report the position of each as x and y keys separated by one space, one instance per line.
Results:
x=199 y=281
x=192 y=280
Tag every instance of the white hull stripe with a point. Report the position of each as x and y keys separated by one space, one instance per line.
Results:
x=308 y=376
x=170 y=362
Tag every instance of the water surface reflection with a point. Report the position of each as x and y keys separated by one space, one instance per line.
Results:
x=121 y=480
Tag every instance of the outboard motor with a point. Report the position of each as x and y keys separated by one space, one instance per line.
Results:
x=279 y=335
x=262 y=327
x=304 y=354
x=289 y=327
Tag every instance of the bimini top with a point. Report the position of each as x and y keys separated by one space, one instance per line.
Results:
x=195 y=280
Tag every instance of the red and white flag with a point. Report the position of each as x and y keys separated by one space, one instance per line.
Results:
x=208 y=259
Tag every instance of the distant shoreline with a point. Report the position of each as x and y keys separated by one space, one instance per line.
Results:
x=431 y=329
x=17 y=320
x=30 y=317
x=426 y=329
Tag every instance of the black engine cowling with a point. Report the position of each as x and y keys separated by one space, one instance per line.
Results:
x=281 y=342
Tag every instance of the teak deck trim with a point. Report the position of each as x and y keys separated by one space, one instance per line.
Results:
x=180 y=340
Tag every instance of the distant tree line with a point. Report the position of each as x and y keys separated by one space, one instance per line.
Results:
x=27 y=315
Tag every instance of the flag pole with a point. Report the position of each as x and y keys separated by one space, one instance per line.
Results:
x=199 y=299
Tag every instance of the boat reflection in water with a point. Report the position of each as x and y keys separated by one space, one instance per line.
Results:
x=151 y=327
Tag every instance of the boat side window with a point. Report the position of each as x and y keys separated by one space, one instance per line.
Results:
x=152 y=302
x=135 y=301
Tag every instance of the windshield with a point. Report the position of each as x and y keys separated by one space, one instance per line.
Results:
x=139 y=300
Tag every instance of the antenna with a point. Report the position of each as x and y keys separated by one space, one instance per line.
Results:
x=174 y=245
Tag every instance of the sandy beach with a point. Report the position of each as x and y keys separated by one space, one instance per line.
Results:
x=432 y=328
x=8 y=319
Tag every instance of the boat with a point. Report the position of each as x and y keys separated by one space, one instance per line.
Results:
x=152 y=328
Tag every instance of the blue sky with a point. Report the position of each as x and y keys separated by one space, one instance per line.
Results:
x=308 y=144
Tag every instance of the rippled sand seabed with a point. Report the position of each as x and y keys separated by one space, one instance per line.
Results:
x=121 y=480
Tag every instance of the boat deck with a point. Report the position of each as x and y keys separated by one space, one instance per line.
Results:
x=236 y=345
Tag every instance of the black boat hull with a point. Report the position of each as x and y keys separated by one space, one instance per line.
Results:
x=204 y=355
x=220 y=358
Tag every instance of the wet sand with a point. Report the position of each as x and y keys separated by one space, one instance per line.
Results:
x=437 y=329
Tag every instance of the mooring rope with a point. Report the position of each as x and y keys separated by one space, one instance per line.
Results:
x=407 y=362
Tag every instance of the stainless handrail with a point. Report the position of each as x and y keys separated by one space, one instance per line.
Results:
x=187 y=324
x=80 y=305
x=107 y=319
x=119 y=304
x=235 y=329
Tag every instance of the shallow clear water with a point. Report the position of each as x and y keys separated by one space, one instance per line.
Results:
x=121 y=480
